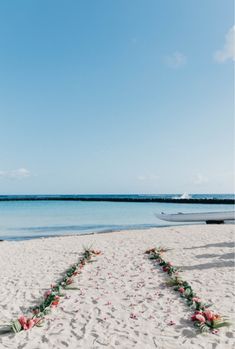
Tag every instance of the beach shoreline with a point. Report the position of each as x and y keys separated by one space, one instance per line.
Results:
x=122 y=301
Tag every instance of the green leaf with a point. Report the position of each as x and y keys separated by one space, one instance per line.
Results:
x=204 y=328
x=187 y=292
x=218 y=324
x=71 y=288
x=47 y=311
x=16 y=326
x=174 y=281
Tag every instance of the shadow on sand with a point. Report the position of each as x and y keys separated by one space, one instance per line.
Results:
x=219 y=244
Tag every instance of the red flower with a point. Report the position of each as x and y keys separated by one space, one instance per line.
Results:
x=54 y=304
x=69 y=281
x=200 y=318
x=181 y=290
x=197 y=312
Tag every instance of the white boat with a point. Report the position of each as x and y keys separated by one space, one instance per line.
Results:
x=208 y=217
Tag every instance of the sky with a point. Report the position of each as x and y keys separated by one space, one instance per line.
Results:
x=116 y=96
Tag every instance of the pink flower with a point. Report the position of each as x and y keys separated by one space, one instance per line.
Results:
x=133 y=316
x=215 y=331
x=196 y=299
x=170 y=264
x=47 y=293
x=22 y=320
x=30 y=323
x=208 y=314
x=96 y=252
x=181 y=290
x=200 y=318
x=27 y=324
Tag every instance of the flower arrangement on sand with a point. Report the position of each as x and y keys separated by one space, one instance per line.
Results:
x=204 y=319
x=51 y=297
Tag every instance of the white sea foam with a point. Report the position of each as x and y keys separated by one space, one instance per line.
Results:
x=185 y=196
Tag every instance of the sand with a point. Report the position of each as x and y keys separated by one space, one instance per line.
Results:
x=122 y=301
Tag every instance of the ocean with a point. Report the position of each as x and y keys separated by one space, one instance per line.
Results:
x=21 y=220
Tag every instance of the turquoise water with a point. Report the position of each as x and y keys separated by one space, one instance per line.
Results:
x=33 y=219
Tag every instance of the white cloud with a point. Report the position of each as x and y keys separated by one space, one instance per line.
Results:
x=228 y=51
x=176 y=60
x=20 y=173
x=200 y=179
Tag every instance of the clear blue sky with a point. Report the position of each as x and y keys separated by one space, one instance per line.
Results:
x=125 y=96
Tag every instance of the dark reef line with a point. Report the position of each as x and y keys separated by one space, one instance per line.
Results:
x=120 y=199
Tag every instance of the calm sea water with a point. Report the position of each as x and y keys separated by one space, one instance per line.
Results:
x=33 y=219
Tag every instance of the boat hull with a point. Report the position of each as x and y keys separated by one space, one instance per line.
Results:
x=209 y=217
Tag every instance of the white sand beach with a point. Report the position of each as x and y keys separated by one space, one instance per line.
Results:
x=122 y=301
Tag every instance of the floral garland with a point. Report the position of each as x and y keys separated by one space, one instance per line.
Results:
x=203 y=318
x=51 y=297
